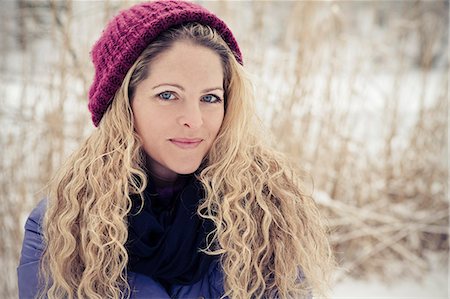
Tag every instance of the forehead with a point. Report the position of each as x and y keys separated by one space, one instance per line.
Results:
x=187 y=63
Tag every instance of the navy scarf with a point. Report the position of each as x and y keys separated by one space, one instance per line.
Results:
x=165 y=237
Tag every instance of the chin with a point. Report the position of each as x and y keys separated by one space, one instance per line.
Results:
x=187 y=169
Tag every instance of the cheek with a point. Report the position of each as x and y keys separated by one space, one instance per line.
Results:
x=143 y=123
x=140 y=124
x=146 y=129
x=216 y=122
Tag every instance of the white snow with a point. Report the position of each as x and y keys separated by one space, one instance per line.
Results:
x=434 y=285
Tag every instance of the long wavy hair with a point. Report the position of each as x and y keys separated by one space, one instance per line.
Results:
x=268 y=233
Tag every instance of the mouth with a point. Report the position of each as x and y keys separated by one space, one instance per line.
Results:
x=186 y=143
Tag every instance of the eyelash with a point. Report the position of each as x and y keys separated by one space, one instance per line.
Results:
x=218 y=99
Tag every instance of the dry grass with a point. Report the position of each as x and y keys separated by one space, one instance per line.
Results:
x=366 y=116
x=356 y=93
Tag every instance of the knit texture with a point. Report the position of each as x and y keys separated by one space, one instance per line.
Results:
x=130 y=32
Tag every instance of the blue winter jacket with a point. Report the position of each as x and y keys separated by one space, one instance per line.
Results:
x=210 y=286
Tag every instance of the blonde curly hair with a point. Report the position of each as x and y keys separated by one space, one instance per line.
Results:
x=269 y=235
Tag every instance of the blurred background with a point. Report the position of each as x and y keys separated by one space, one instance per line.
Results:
x=354 y=92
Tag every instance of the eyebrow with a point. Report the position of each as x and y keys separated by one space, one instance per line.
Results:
x=182 y=89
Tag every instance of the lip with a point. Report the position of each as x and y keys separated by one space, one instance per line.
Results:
x=186 y=143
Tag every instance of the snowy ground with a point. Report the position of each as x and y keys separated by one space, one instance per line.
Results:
x=434 y=286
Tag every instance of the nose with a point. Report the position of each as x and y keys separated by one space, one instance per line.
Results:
x=191 y=116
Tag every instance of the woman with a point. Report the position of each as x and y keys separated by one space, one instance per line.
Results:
x=175 y=194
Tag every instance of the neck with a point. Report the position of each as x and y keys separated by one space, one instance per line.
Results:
x=160 y=173
x=161 y=181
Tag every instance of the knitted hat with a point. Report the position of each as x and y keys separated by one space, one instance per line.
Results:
x=129 y=33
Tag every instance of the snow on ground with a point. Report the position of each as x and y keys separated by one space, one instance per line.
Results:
x=434 y=285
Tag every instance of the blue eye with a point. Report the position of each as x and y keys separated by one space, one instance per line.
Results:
x=166 y=96
x=210 y=98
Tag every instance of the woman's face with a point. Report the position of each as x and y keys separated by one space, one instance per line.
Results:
x=179 y=108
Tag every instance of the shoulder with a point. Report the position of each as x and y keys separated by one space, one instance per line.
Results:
x=34 y=221
x=32 y=248
x=32 y=240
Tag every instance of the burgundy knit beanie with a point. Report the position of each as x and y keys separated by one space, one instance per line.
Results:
x=129 y=33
